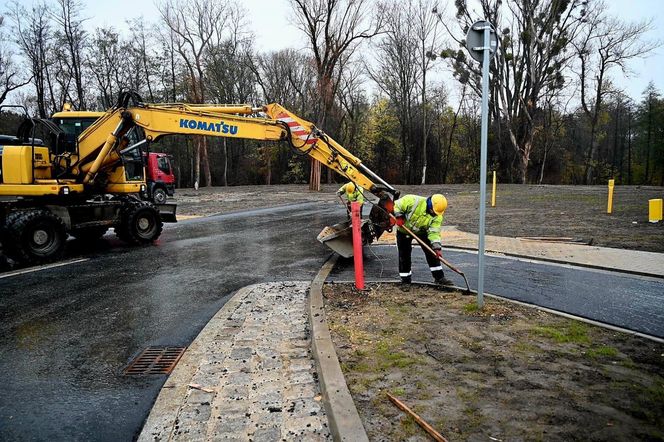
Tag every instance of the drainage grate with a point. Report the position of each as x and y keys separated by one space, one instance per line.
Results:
x=155 y=360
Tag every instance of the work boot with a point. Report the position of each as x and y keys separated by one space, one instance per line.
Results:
x=443 y=281
x=405 y=284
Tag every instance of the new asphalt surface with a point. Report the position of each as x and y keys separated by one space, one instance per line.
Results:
x=67 y=332
x=623 y=300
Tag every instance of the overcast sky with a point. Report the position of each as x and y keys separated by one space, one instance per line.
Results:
x=271 y=23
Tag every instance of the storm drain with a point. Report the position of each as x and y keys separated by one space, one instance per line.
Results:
x=155 y=360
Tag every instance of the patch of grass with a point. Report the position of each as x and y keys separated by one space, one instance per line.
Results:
x=399 y=391
x=389 y=357
x=568 y=332
x=526 y=348
x=471 y=307
x=408 y=426
x=602 y=351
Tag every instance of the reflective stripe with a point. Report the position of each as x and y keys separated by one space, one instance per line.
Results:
x=417 y=200
x=434 y=269
x=403 y=275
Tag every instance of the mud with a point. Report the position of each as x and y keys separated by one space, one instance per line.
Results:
x=521 y=210
x=504 y=373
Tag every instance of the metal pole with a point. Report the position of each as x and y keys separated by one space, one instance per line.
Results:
x=483 y=155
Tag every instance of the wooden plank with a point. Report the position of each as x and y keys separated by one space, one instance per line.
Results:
x=421 y=422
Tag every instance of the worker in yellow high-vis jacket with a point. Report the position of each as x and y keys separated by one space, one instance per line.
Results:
x=424 y=217
x=353 y=193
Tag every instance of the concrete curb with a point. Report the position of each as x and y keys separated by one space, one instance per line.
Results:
x=343 y=418
x=166 y=406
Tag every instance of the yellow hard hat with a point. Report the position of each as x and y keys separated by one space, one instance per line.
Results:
x=350 y=188
x=438 y=203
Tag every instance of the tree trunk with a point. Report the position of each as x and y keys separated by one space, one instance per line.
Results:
x=206 y=163
x=648 y=142
x=314 y=175
x=629 y=148
x=197 y=164
x=226 y=163
x=541 y=177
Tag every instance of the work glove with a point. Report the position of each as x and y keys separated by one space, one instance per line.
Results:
x=400 y=221
x=439 y=253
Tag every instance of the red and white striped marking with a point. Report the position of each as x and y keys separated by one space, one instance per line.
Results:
x=297 y=129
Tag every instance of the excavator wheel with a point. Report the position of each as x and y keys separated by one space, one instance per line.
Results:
x=34 y=236
x=89 y=233
x=140 y=223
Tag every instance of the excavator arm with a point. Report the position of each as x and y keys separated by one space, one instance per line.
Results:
x=269 y=123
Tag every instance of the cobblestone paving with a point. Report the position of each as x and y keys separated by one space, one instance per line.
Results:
x=253 y=375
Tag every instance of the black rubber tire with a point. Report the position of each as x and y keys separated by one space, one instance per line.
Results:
x=159 y=195
x=89 y=233
x=140 y=223
x=34 y=236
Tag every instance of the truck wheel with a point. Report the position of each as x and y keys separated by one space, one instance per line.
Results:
x=159 y=195
x=34 y=236
x=140 y=223
x=89 y=233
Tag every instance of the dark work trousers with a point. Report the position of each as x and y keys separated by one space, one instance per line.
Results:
x=405 y=248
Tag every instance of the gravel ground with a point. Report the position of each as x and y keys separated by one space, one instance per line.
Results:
x=504 y=373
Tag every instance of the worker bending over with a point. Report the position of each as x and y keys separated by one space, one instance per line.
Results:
x=353 y=193
x=424 y=217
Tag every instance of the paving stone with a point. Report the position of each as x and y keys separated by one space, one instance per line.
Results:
x=258 y=361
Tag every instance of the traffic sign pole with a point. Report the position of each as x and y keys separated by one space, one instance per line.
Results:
x=482 y=42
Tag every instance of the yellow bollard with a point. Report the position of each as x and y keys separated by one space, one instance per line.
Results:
x=655 y=210
x=609 y=207
x=493 y=193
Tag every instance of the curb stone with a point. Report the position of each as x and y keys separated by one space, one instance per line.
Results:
x=344 y=420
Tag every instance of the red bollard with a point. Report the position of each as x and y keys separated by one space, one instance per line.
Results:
x=357 y=244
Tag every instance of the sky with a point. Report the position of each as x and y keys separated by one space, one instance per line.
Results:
x=271 y=22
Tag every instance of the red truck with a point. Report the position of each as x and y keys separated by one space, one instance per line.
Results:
x=159 y=175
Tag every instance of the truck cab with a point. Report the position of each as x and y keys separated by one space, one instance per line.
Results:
x=159 y=176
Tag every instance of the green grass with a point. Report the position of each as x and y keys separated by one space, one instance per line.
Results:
x=602 y=351
x=388 y=357
x=569 y=332
x=471 y=307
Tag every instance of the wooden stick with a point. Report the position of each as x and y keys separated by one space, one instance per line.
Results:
x=421 y=422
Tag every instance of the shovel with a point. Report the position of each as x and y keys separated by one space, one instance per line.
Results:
x=440 y=258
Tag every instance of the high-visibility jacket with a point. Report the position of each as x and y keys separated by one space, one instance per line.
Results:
x=414 y=209
x=355 y=196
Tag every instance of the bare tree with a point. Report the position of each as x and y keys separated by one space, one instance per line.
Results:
x=195 y=25
x=605 y=43
x=334 y=29
x=72 y=35
x=426 y=34
x=396 y=72
x=530 y=60
x=10 y=77
x=32 y=33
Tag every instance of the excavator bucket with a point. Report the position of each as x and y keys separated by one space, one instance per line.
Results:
x=339 y=237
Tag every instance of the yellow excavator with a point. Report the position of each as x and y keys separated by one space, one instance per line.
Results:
x=53 y=184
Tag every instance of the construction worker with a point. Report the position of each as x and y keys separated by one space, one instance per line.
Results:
x=353 y=193
x=424 y=217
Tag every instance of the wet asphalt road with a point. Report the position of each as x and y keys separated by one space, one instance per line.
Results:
x=67 y=332
x=632 y=302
